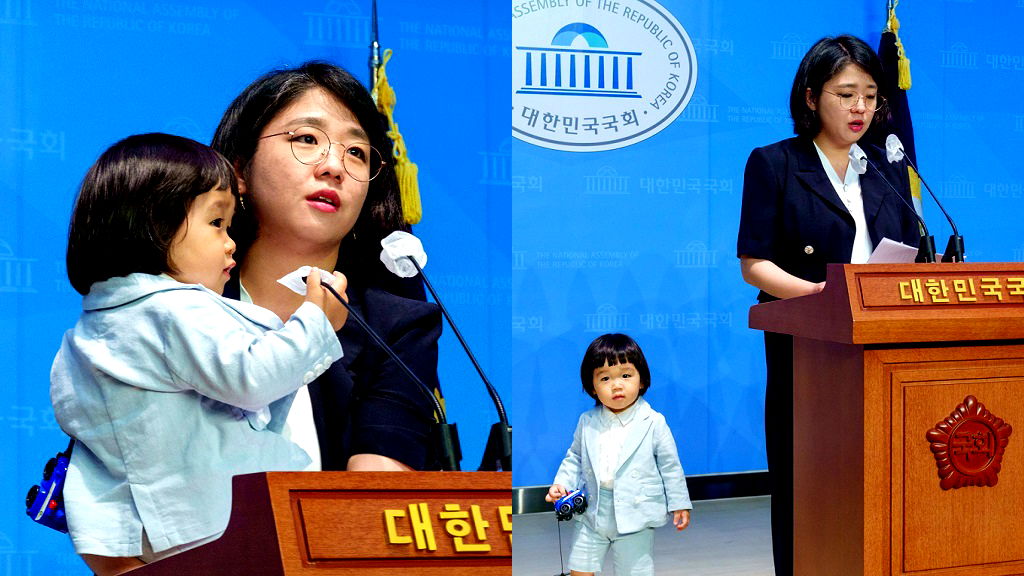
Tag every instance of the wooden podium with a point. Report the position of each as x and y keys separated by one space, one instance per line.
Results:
x=908 y=420
x=366 y=523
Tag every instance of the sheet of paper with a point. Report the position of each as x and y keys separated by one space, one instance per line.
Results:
x=892 y=252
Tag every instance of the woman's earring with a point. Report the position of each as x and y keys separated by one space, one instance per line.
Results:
x=241 y=202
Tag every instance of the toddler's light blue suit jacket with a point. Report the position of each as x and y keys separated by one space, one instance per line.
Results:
x=649 y=481
x=150 y=381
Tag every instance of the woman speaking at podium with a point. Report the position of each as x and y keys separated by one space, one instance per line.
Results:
x=808 y=201
x=316 y=187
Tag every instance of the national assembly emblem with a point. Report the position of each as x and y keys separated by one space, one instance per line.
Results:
x=590 y=75
x=968 y=446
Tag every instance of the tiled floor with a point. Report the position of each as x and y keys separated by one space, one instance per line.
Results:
x=726 y=538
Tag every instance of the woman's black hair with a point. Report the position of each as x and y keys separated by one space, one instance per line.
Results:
x=613 y=349
x=133 y=201
x=238 y=135
x=824 y=60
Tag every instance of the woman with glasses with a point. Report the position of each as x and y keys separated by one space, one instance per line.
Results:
x=824 y=196
x=317 y=188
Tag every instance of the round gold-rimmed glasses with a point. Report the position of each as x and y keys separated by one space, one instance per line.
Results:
x=848 y=100
x=311 y=145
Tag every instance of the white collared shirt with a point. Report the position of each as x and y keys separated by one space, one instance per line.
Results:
x=298 y=426
x=849 y=192
x=614 y=430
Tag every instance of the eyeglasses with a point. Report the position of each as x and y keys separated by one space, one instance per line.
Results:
x=849 y=100
x=311 y=146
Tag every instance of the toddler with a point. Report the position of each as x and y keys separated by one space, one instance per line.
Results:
x=624 y=453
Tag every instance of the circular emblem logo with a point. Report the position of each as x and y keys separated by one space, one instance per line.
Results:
x=973 y=443
x=968 y=446
x=590 y=75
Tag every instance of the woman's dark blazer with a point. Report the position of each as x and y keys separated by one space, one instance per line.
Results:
x=792 y=215
x=364 y=403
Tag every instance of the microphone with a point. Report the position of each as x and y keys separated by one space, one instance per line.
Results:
x=894 y=152
x=403 y=255
x=926 y=246
x=446 y=436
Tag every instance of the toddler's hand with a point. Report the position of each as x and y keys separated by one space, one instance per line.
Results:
x=336 y=313
x=681 y=519
x=555 y=492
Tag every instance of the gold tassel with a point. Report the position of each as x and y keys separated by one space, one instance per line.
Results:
x=408 y=185
x=893 y=25
x=406 y=171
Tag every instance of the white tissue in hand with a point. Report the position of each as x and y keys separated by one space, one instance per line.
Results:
x=858 y=159
x=398 y=248
x=296 y=281
x=893 y=148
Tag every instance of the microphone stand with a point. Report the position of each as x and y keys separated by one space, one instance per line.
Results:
x=926 y=246
x=498 y=451
x=955 y=247
x=446 y=436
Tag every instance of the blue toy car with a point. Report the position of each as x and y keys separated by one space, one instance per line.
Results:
x=575 y=502
x=45 y=502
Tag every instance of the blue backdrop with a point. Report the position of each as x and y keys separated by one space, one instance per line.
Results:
x=77 y=75
x=642 y=239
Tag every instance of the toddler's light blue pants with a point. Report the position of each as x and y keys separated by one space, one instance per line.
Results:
x=632 y=554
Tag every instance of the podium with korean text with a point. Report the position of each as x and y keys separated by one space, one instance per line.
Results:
x=366 y=523
x=908 y=419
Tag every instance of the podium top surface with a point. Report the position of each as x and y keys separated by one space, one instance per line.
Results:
x=358 y=524
x=905 y=303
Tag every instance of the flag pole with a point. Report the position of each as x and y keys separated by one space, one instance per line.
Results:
x=374 y=52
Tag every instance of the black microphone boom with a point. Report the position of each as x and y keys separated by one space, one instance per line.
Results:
x=955 y=247
x=498 y=451
x=926 y=246
x=446 y=436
